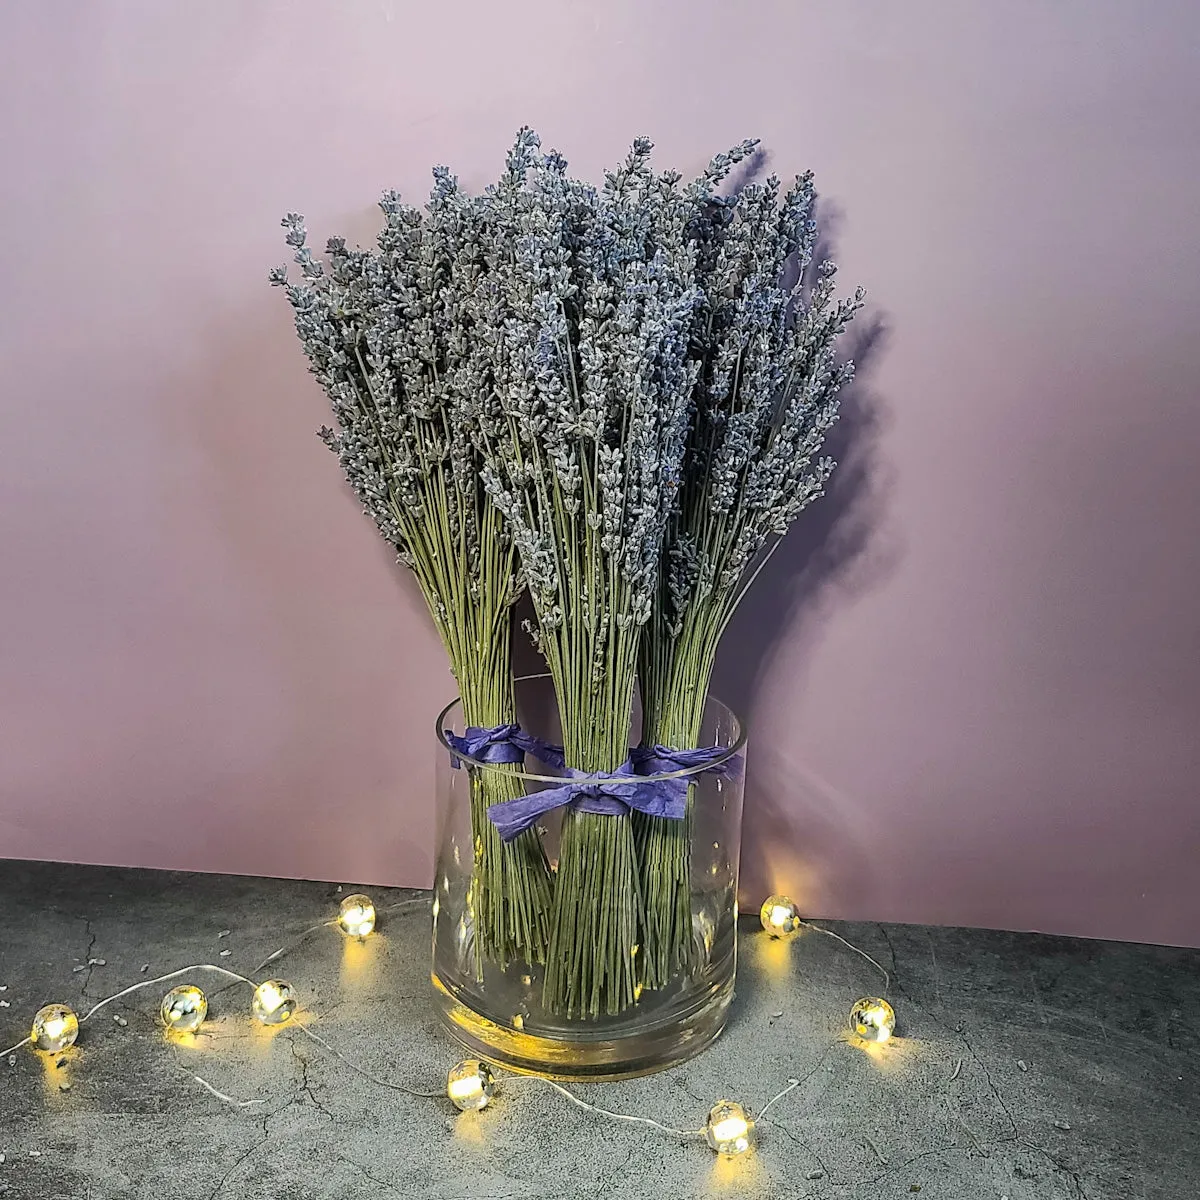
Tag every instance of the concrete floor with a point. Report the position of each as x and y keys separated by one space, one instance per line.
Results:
x=1028 y=1067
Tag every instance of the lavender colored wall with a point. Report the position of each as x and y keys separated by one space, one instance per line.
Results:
x=972 y=676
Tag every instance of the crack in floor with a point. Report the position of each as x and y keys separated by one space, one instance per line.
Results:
x=350 y=1162
x=305 y=1085
x=233 y=1169
x=993 y=1087
x=89 y=966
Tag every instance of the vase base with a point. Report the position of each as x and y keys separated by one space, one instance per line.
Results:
x=606 y=1055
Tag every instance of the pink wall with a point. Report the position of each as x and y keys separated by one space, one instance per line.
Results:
x=973 y=679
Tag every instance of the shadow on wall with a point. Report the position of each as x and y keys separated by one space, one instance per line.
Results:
x=796 y=825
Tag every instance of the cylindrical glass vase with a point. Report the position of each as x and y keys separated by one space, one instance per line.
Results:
x=684 y=880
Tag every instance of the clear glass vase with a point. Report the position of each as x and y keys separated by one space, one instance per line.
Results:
x=500 y=1008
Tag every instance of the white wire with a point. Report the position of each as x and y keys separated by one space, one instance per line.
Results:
x=562 y=1091
x=396 y=1087
x=163 y=979
x=208 y=1087
x=887 y=979
x=299 y=939
x=792 y=1085
x=604 y=1112
x=91 y=1012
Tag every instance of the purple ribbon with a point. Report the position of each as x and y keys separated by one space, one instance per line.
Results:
x=662 y=760
x=619 y=792
x=502 y=744
x=608 y=793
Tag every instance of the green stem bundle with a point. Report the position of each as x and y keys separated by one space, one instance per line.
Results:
x=674 y=676
x=766 y=395
x=597 y=913
x=586 y=315
x=511 y=886
x=511 y=883
x=385 y=339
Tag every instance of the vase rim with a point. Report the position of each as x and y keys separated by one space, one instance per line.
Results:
x=513 y=769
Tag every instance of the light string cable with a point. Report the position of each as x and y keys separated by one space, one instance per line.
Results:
x=235 y=978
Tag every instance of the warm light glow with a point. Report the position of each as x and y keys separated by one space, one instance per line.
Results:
x=57 y=1081
x=55 y=1027
x=729 y=1129
x=470 y=1085
x=779 y=917
x=775 y=962
x=183 y=1009
x=356 y=916
x=274 y=1002
x=360 y=962
x=738 y=1175
x=873 y=1019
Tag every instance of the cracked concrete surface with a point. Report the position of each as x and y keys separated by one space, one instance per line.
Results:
x=1032 y=1068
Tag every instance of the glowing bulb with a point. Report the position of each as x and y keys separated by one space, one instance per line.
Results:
x=274 y=1001
x=729 y=1129
x=779 y=917
x=357 y=916
x=873 y=1019
x=470 y=1085
x=55 y=1027
x=183 y=1009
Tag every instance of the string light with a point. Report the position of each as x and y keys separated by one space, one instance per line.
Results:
x=274 y=1002
x=470 y=1085
x=873 y=1019
x=779 y=917
x=729 y=1129
x=356 y=916
x=55 y=1027
x=183 y=1009
x=277 y=954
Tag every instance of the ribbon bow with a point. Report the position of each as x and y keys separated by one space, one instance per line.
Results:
x=502 y=744
x=662 y=760
x=607 y=793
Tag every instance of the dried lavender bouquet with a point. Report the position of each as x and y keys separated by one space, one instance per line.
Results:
x=764 y=344
x=586 y=307
x=387 y=335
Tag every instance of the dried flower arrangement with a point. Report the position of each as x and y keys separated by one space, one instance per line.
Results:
x=614 y=396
